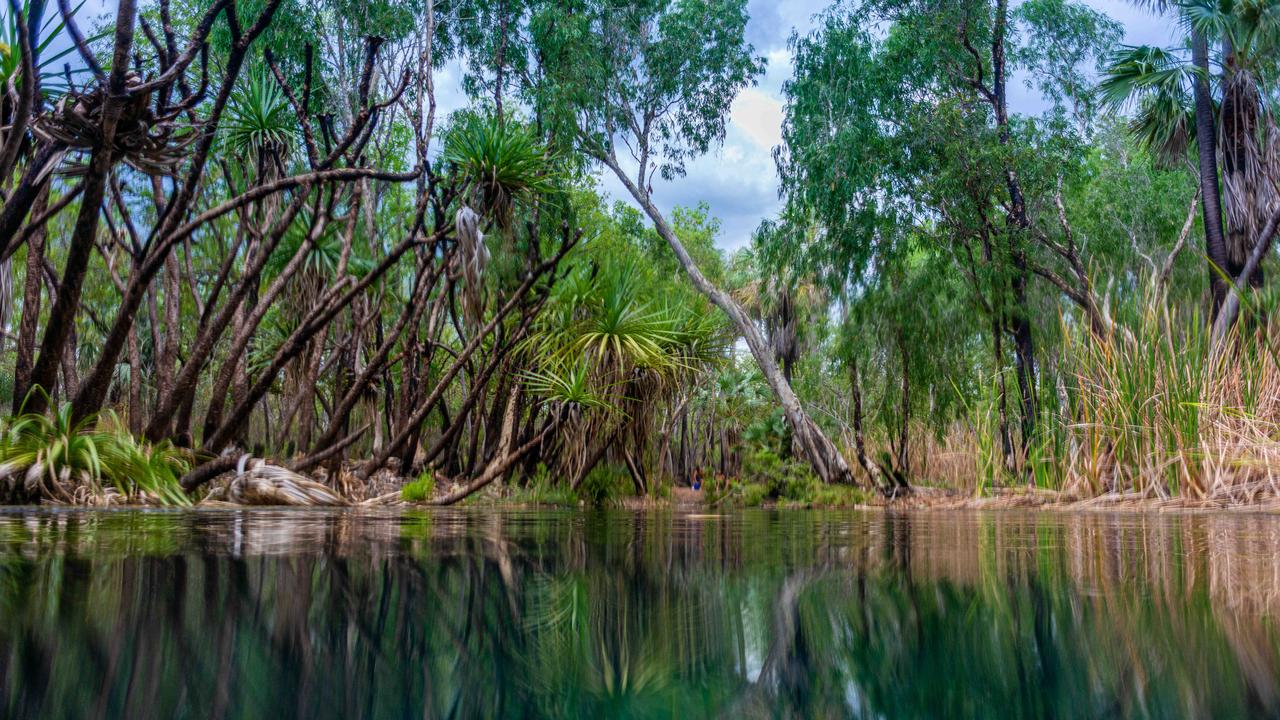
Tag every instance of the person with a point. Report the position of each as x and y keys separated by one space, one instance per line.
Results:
x=697 y=479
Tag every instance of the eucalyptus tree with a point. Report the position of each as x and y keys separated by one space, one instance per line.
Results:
x=642 y=89
x=910 y=127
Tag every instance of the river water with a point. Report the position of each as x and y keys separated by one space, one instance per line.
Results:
x=528 y=614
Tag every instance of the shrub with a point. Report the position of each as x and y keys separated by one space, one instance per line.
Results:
x=754 y=494
x=53 y=458
x=421 y=489
x=604 y=483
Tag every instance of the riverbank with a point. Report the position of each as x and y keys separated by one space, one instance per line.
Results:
x=262 y=484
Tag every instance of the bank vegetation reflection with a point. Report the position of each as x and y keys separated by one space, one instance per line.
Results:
x=477 y=614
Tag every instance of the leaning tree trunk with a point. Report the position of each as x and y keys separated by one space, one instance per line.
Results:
x=809 y=439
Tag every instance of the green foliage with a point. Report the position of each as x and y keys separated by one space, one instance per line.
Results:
x=768 y=478
x=498 y=160
x=52 y=457
x=141 y=469
x=1160 y=84
x=1063 y=42
x=421 y=489
x=754 y=494
x=50 y=31
x=604 y=483
x=567 y=383
x=783 y=478
x=259 y=122
x=50 y=451
x=543 y=489
x=667 y=70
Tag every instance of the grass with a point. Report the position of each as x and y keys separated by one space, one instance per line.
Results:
x=1168 y=415
x=421 y=489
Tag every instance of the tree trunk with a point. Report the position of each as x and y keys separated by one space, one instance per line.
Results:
x=1019 y=320
x=1002 y=389
x=85 y=232
x=637 y=474
x=904 y=408
x=1215 y=241
x=29 y=325
x=813 y=444
x=135 y=383
x=1231 y=305
x=172 y=327
x=859 y=440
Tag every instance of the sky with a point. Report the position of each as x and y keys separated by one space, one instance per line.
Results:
x=738 y=180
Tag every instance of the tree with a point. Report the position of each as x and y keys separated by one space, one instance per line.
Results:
x=645 y=88
x=1231 y=115
x=909 y=134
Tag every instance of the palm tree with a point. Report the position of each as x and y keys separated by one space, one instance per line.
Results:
x=1176 y=95
x=777 y=296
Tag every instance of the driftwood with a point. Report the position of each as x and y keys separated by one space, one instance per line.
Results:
x=257 y=483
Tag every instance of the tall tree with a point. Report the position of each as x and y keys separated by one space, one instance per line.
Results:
x=644 y=88
x=1223 y=107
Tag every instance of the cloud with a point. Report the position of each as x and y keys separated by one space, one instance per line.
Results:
x=759 y=116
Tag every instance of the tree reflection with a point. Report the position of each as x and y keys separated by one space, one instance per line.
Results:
x=269 y=615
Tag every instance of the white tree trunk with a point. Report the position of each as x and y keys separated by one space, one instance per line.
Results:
x=813 y=444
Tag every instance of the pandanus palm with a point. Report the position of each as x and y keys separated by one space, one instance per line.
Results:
x=1176 y=105
x=499 y=166
x=260 y=124
x=606 y=339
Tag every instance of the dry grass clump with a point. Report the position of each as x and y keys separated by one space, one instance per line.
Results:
x=1154 y=418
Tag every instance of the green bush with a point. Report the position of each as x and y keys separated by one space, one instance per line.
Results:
x=790 y=482
x=784 y=479
x=604 y=483
x=43 y=457
x=754 y=494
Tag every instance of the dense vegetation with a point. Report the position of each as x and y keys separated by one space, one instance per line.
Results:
x=239 y=230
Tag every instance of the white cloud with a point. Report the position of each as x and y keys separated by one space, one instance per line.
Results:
x=759 y=116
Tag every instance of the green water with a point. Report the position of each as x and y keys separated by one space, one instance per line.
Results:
x=484 y=614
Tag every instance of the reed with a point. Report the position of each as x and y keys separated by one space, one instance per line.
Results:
x=1166 y=414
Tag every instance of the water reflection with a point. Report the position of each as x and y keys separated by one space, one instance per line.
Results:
x=757 y=614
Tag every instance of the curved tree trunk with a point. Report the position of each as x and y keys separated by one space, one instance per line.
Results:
x=809 y=439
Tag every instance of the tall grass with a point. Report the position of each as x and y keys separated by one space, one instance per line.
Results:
x=1155 y=412
x=1165 y=414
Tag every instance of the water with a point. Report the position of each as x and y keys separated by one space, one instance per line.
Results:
x=485 y=614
